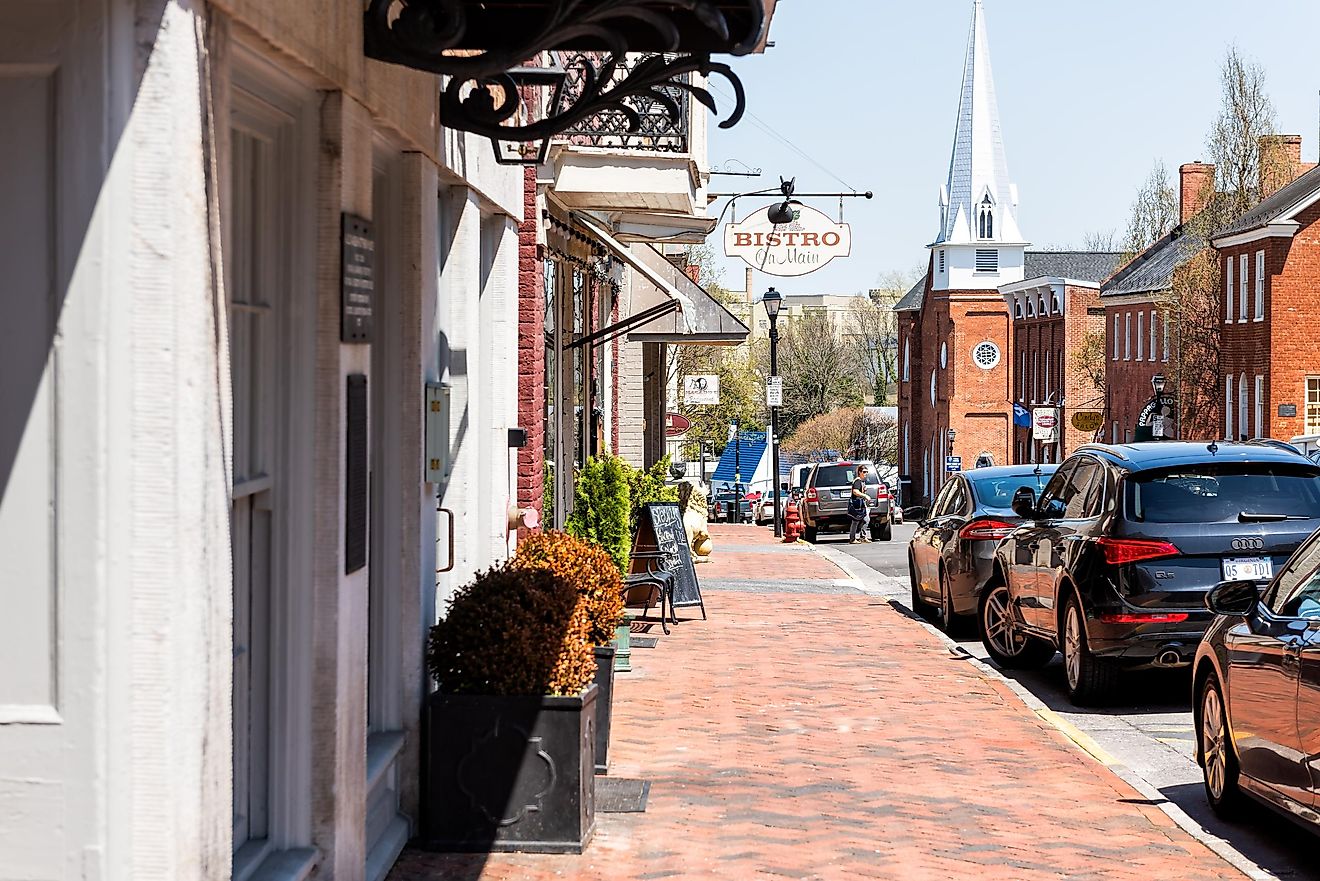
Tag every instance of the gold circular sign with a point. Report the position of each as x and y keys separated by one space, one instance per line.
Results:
x=1088 y=420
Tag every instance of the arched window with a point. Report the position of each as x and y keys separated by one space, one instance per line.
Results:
x=986 y=219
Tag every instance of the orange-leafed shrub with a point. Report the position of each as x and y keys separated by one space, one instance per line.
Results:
x=513 y=632
x=589 y=568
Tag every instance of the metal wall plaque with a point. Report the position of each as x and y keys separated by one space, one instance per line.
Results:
x=357 y=280
x=1288 y=411
x=355 y=477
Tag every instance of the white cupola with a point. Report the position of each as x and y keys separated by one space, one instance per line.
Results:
x=979 y=246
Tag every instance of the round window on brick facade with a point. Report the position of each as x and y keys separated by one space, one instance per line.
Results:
x=986 y=355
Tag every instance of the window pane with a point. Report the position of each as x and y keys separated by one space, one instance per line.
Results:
x=1219 y=493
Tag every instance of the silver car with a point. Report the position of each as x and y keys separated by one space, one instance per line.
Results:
x=828 y=490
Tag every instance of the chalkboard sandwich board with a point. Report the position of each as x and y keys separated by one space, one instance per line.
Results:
x=661 y=529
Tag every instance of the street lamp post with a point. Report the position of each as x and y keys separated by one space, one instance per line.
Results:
x=735 y=435
x=773 y=300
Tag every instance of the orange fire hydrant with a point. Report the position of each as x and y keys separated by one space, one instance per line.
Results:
x=792 y=522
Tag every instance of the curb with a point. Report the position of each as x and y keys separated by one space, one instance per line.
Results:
x=1076 y=736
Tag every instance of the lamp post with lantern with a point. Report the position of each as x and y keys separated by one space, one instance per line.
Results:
x=773 y=300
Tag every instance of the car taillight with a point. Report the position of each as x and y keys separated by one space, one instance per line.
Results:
x=1119 y=551
x=882 y=492
x=986 y=530
x=1144 y=618
x=811 y=494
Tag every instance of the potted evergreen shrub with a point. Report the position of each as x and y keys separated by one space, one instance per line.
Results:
x=593 y=574
x=509 y=736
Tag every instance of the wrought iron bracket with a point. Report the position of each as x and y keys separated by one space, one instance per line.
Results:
x=483 y=93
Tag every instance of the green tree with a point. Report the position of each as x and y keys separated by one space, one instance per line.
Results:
x=602 y=508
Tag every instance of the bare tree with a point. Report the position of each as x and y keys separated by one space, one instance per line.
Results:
x=1193 y=308
x=821 y=369
x=1155 y=211
x=1246 y=114
x=1089 y=356
x=1100 y=240
x=849 y=431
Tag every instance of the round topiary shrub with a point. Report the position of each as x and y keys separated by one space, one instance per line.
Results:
x=588 y=568
x=513 y=632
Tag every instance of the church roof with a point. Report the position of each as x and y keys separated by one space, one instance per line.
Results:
x=979 y=166
x=1093 y=266
x=914 y=299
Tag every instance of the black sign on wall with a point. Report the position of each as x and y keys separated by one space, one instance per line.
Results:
x=1287 y=411
x=355 y=477
x=357 y=280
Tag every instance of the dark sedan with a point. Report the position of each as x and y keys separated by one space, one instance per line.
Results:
x=1257 y=692
x=952 y=552
x=1114 y=561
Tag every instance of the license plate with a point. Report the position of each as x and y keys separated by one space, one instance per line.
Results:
x=838 y=493
x=1248 y=569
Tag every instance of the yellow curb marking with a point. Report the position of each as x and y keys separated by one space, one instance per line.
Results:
x=1079 y=737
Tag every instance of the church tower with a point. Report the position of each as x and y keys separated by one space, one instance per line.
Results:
x=979 y=246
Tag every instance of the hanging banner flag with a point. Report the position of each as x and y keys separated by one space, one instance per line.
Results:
x=809 y=243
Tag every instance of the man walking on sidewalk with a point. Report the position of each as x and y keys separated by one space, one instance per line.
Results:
x=858 y=509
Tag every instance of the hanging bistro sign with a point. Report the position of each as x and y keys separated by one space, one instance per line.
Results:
x=809 y=243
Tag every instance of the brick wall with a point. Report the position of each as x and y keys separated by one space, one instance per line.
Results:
x=1280 y=347
x=1127 y=377
x=531 y=352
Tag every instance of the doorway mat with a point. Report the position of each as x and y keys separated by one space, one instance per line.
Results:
x=644 y=642
x=619 y=795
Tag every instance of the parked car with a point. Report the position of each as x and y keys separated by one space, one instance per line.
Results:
x=1114 y=560
x=1256 y=691
x=763 y=509
x=726 y=499
x=952 y=553
x=825 y=500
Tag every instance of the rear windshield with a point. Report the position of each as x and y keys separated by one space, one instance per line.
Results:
x=997 y=492
x=1224 y=493
x=842 y=475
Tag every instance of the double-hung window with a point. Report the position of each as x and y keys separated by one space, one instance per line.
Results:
x=1228 y=406
x=1260 y=285
x=1312 y=405
x=1243 y=406
x=1228 y=291
x=1166 y=336
x=1127 y=336
x=1141 y=336
x=1260 y=408
x=1116 y=330
x=1153 y=348
x=1242 y=288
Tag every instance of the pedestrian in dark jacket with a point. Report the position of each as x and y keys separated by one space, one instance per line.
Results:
x=858 y=503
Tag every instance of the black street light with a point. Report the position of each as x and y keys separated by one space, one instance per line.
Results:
x=773 y=300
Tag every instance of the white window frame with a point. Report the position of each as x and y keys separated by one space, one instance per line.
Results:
x=1311 y=415
x=907 y=359
x=1127 y=336
x=1228 y=291
x=1047 y=376
x=1242 y=289
x=1260 y=286
x=1141 y=336
x=1244 y=406
x=1035 y=377
x=1154 y=336
x=1116 y=335
x=1113 y=432
x=1165 y=322
x=1260 y=408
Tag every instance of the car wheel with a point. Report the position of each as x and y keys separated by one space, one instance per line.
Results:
x=809 y=533
x=884 y=532
x=1219 y=763
x=1004 y=641
x=1089 y=678
x=950 y=621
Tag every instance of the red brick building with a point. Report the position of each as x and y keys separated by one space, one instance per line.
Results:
x=953 y=327
x=1269 y=361
x=1052 y=312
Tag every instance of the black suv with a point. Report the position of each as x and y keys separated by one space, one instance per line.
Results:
x=1114 y=560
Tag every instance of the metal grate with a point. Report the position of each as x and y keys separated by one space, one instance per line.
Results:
x=987 y=260
x=657 y=133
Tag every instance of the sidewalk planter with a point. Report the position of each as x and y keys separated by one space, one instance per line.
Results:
x=604 y=705
x=510 y=773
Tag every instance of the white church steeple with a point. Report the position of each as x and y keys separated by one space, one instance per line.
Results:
x=979 y=246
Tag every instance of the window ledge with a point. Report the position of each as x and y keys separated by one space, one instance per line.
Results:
x=382 y=748
x=256 y=862
x=1258 y=320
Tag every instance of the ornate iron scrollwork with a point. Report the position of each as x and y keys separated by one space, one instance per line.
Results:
x=482 y=95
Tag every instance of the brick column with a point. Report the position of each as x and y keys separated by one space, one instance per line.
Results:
x=531 y=351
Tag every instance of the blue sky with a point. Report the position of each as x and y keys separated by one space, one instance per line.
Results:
x=1090 y=95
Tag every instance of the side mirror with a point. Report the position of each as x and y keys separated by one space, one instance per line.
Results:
x=1236 y=598
x=1024 y=503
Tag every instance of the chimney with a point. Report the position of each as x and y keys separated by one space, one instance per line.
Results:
x=1280 y=162
x=751 y=289
x=694 y=272
x=1197 y=186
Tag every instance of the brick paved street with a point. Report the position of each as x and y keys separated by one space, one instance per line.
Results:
x=825 y=735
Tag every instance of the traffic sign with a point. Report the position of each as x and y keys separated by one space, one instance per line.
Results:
x=953 y=464
x=774 y=391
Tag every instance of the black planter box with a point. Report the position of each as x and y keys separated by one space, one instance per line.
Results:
x=604 y=705
x=509 y=773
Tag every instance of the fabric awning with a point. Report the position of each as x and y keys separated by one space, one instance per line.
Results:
x=666 y=305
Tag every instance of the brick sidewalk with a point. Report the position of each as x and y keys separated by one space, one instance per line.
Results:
x=828 y=736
